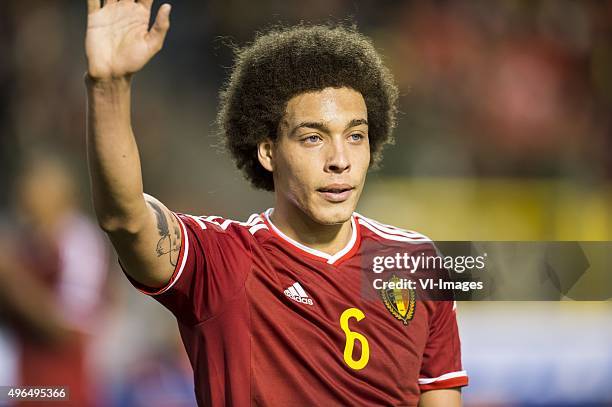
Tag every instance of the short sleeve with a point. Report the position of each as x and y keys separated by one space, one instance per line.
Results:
x=213 y=263
x=441 y=367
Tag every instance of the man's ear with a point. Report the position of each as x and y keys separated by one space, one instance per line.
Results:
x=265 y=154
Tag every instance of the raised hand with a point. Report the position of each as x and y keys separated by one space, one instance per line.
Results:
x=118 y=41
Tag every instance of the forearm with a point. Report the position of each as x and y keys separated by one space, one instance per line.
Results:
x=118 y=44
x=114 y=162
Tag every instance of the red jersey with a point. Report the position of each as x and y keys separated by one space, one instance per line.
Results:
x=268 y=321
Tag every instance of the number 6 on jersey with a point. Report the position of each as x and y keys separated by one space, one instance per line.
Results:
x=351 y=337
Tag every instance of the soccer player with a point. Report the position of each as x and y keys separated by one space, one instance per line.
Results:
x=273 y=310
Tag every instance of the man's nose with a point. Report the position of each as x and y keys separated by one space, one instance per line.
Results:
x=338 y=159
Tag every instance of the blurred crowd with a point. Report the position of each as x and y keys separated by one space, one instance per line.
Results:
x=519 y=89
x=508 y=88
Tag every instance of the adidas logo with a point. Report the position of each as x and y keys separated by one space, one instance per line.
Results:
x=297 y=293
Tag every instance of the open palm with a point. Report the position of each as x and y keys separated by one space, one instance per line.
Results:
x=118 y=40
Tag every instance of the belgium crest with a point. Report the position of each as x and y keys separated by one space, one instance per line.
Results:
x=401 y=302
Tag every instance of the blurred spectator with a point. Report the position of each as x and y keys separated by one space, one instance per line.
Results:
x=52 y=277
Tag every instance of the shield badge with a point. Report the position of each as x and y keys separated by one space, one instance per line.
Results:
x=401 y=302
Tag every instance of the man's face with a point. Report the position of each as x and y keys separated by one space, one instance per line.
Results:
x=322 y=154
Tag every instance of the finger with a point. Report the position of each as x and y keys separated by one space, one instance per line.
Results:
x=93 y=5
x=160 y=27
x=146 y=3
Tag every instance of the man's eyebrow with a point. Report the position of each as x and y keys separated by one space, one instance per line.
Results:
x=323 y=127
x=356 y=122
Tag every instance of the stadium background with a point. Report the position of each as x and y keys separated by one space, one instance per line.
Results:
x=505 y=133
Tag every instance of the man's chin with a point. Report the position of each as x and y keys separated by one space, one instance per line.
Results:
x=334 y=215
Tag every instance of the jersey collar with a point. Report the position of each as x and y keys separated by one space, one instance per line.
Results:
x=342 y=255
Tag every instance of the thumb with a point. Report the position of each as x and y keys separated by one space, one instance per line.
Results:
x=160 y=27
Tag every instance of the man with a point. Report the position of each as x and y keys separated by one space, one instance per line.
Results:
x=273 y=311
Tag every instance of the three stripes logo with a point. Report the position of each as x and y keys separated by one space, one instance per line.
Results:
x=297 y=293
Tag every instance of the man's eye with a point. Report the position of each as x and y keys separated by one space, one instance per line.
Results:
x=357 y=137
x=312 y=139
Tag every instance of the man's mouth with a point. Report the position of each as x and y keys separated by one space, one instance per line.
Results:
x=336 y=192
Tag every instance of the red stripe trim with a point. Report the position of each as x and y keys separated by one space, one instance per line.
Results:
x=445 y=384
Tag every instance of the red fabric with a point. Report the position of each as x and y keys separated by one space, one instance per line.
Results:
x=53 y=365
x=446 y=384
x=42 y=363
x=250 y=344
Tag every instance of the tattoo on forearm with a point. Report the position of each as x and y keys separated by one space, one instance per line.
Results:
x=168 y=244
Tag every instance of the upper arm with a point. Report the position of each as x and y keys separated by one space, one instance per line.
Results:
x=441 y=398
x=150 y=254
x=208 y=270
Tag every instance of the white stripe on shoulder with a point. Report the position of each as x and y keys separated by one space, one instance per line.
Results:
x=197 y=220
x=254 y=219
x=446 y=376
x=397 y=238
x=226 y=223
x=392 y=230
x=257 y=227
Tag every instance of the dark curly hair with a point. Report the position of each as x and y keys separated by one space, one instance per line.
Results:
x=285 y=62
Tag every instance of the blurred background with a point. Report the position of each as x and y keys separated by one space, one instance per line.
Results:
x=505 y=133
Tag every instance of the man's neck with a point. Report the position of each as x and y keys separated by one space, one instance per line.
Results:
x=300 y=227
